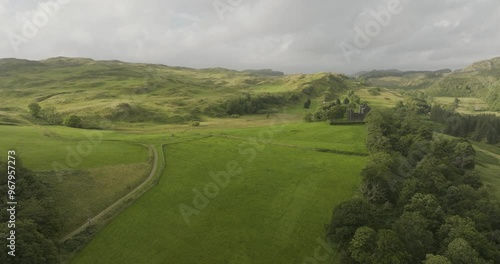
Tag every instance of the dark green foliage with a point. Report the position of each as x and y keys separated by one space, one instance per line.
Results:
x=135 y=113
x=331 y=111
x=436 y=259
x=50 y=115
x=479 y=128
x=347 y=218
x=309 y=117
x=307 y=104
x=38 y=220
x=73 y=121
x=265 y=72
x=417 y=104
x=252 y=104
x=31 y=246
x=34 y=109
x=426 y=203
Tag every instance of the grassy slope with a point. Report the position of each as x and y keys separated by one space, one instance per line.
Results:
x=467 y=105
x=89 y=88
x=315 y=135
x=480 y=80
x=488 y=165
x=39 y=147
x=269 y=214
x=101 y=176
x=276 y=209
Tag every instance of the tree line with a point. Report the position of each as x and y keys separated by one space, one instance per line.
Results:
x=247 y=104
x=334 y=109
x=478 y=128
x=420 y=200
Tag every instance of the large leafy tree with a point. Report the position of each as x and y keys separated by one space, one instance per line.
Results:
x=34 y=109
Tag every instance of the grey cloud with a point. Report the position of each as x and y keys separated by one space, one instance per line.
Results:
x=288 y=35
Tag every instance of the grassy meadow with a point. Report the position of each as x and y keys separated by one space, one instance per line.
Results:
x=268 y=213
x=288 y=174
x=488 y=166
x=93 y=174
x=467 y=105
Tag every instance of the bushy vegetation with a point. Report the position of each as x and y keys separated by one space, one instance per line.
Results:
x=420 y=200
x=38 y=219
x=47 y=115
x=480 y=80
x=335 y=109
x=252 y=104
x=265 y=72
x=73 y=121
x=479 y=128
x=417 y=102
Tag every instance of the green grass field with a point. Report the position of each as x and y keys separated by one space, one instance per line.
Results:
x=382 y=98
x=467 y=105
x=269 y=213
x=39 y=147
x=96 y=172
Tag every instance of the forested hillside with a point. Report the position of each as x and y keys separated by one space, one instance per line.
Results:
x=421 y=201
x=480 y=80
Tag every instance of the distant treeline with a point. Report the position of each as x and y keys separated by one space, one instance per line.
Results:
x=420 y=200
x=252 y=104
x=398 y=73
x=479 y=128
x=265 y=72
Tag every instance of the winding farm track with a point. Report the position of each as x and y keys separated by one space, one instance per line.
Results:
x=131 y=194
x=153 y=177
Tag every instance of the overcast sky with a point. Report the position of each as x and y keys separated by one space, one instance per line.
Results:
x=288 y=35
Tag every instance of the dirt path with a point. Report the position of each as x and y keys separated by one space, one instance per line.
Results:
x=148 y=180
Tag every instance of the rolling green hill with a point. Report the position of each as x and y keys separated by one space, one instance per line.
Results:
x=480 y=80
x=133 y=92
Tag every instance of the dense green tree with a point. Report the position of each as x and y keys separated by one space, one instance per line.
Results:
x=363 y=245
x=73 y=121
x=390 y=249
x=426 y=190
x=336 y=112
x=378 y=178
x=464 y=156
x=436 y=259
x=429 y=207
x=31 y=246
x=34 y=109
x=460 y=252
x=413 y=230
x=456 y=103
x=309 y=117
x=307 y=104
x=347 y=218
x=50 y=115
x=464 y=228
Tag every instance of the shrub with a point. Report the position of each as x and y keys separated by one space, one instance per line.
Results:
x=73 y=121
